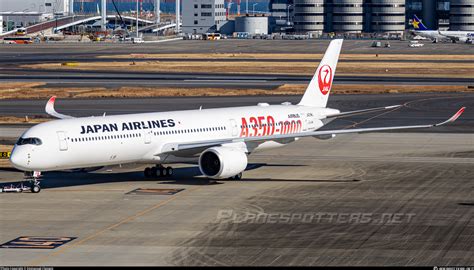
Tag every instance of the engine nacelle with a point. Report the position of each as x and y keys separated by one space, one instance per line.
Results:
x=222 y=162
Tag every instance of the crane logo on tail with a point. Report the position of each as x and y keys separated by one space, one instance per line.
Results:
x=325 y=79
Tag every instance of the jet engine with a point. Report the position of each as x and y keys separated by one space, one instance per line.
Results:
x=222 y=162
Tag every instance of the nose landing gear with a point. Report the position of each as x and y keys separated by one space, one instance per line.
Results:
x=157 y=171
x=34 y=181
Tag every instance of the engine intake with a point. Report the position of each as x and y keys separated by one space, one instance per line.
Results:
x=222 y=162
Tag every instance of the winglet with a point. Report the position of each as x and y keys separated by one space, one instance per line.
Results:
x=453 y=118
x=51 y=111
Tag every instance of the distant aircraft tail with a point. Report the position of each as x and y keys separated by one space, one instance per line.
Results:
x=317 y=92
x=418 y=24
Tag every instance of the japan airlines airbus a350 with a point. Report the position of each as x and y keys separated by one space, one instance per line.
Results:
x=219 y=140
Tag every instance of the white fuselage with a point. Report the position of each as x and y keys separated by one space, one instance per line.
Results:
x=434 y=34
x=145 y=138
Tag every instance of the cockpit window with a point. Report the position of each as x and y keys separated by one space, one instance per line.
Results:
x=33 y=141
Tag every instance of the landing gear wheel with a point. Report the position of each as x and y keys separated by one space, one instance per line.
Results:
x=238 y=176
x=154 y=172
x=162 y=172
x=147 y=172
x=34 y=181
x=169 y=171
x=35 y=188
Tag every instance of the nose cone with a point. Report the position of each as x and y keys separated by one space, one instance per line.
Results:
x=18 y=159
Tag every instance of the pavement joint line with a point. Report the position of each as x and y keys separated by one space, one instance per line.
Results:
x=123 y=221
x=406 y=104
x=371 y=118
x=87 y=190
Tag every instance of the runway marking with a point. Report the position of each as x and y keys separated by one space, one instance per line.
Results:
x=407 y=104
x=155 y=191
x=128 y=219
x=371 y=118
x=85 y=190
x=35 y=242
x=224 y=80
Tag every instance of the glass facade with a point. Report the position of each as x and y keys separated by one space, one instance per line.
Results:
x=370 y=15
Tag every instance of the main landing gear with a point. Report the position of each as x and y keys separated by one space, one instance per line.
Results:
x=236 y=177
x=34 y=181
x=157 y=171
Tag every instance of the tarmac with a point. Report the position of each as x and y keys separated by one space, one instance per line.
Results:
x=78 y=51
x=12 y=59
x=372 y=199
x=73 y=78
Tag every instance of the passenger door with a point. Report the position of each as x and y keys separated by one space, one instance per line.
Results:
x=233 y=127
x=147 y=136
x=62 y=138
x=309 y=123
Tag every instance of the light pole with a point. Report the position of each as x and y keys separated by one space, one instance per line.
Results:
x=178 y=14
x=23 y=18
x=288 y=14
x=253 y=8
x=229 y=5
x=56 y=18
x=71 y=8
x=137 y=18
x=157 y=12
x=104 y=15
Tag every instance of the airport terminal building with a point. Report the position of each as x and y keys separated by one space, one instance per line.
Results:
x=351 y=17
x=368 y=16
x=338 y=16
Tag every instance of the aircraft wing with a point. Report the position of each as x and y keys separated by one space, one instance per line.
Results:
x=51 y=111
x=170 y=148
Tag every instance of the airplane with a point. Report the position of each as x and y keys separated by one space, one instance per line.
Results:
x=436 y=35
x=218 y=140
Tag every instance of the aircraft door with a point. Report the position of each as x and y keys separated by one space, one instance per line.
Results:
x=62 y=140
x=233 y=127
x=309 y=123
x=147 y=136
